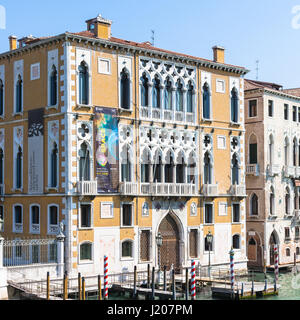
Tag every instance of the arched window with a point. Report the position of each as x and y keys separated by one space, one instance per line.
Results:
x=144 y=91
x=236 y=243
x=1 y=98
x=207 y=169
x=271 y=149
x=287 y=201
x=191 y=169
x=126 y=164
x=179 y=96
x=253 y=149
x=53 y=216
x=156 y=93
x=125 y=89
x=19 y=168
x=168 y=95
x=272 y=201
x=157 y=169
x=190 y=98
x=86 y=251
x=54 y=166
x=53 y=86
x=127 y=249
x=286 y=151
x=295 y=152
x=297 y=251
x=169 y=167
x=35 y=216
x=83 y=84
x=254 y=205
x=234 y=105
x=84 y=163
x=1 y=166
x=252 y=242
x=180 y=172
x=235 y=170
x=145 y=167
x=288 y=252
x=206 y=101
x=19 y=94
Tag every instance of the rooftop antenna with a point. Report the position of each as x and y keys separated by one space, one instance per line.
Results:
x=153 y=37
x=257 y=68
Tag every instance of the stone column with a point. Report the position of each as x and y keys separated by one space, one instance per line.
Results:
x=60 y=254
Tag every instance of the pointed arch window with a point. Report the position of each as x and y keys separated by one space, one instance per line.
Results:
x=236 y=241
x=206 y=101
x=54 y=166
x=272 y=201
x=126 y=165
x=179 y=96
x=287 y=201
x=83 y=84
x=157 y=170
x=145 y=167
x=190 y=98
x=19 y=94
x=286 y=151
x=156 y=93
x=145 y=91
x=1 y=98
x=235 y=171
x=169 y=167
x=207 y=169
x=294 y=152
x=125 y=89
x=180 y=170
x=84 y=163
x=19 y=168
x=168 y=95
x=254 y=205
x=191 y=170
x=234 y=105
x=1 y=167
x=53 y=86
x=253 y=150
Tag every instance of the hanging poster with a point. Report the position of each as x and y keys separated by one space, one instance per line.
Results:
x=36 y=151
x=107 y=149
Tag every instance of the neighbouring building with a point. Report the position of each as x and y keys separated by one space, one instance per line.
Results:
x=122 y=141
x=272 y=119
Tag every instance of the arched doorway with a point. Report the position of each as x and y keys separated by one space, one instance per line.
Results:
x=170 y=249
x=272 y=242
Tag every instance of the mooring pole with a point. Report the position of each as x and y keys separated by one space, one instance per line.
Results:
x=99 y=288
x=83 y=288
x=295 y=260
x=153 y=283
x=165 y=278
x=187 y=284
x=173 y=284
x=134 y=281
x=193 y=280
x=65 y=287
x=79 y=286
x=148 y=276
x=48 y=286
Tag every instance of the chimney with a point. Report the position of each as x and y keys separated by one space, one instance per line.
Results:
x=12 y=43
x=219 y=54
x=100 y=27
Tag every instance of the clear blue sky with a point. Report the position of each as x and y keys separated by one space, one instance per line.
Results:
x=249 y=29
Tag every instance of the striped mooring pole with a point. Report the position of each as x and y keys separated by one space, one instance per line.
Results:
x=231 y=268
x=276 y=270
x=105 y=277
x=193 y=280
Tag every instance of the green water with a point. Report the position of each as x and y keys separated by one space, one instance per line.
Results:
x=289 y=287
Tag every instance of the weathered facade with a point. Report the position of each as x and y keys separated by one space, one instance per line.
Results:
x=272 y=118
x=122 y=141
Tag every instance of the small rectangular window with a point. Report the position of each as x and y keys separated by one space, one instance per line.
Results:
x=252 y=108
x=294 y=113
x=270 y=108
x=286 y=112
x=127 y=215
x=208 y=211
x=104 y=66
x=85 y=216
x=236 y=217
x=35 y=71
x=193 y=243
x=287 y=233
x=145 y=245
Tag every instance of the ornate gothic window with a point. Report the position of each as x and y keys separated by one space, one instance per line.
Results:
x=254 y=205
x=234 y=105
x=190 y=98
x=207 y=169
x=53 y=87
x=179 y=96
x=125 y=89
x=145 y=91
x=156 y=93
x=168 y=95
x=83 y=84
x=54 y=166
x=206 y=101
x=19 y=169
x=19 y=94
x=235 y=171
x=84 y=163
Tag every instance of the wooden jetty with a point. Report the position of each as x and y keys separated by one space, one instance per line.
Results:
x=245 y=290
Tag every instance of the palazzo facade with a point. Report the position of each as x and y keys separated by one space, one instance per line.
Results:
x=122 y=141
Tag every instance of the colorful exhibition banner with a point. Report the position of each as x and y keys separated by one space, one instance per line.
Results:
x=107 y=149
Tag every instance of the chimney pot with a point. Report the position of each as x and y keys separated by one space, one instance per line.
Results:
x=100 y=27
x=12 y=42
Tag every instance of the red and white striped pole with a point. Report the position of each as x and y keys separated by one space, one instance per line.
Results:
x=231 y=268
x=276 y=262
x=105 y=277
x=193 y=280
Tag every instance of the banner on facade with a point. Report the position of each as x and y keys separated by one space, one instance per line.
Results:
x=36 y=151
x=107 y=149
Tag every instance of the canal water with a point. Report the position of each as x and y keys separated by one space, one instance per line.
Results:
x=289 y=287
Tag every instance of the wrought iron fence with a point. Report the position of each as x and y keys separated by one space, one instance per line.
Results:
x=29 y=252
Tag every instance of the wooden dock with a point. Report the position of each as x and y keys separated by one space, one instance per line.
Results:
x=244 y=290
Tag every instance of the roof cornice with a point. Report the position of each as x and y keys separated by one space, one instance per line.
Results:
x=272 y=92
